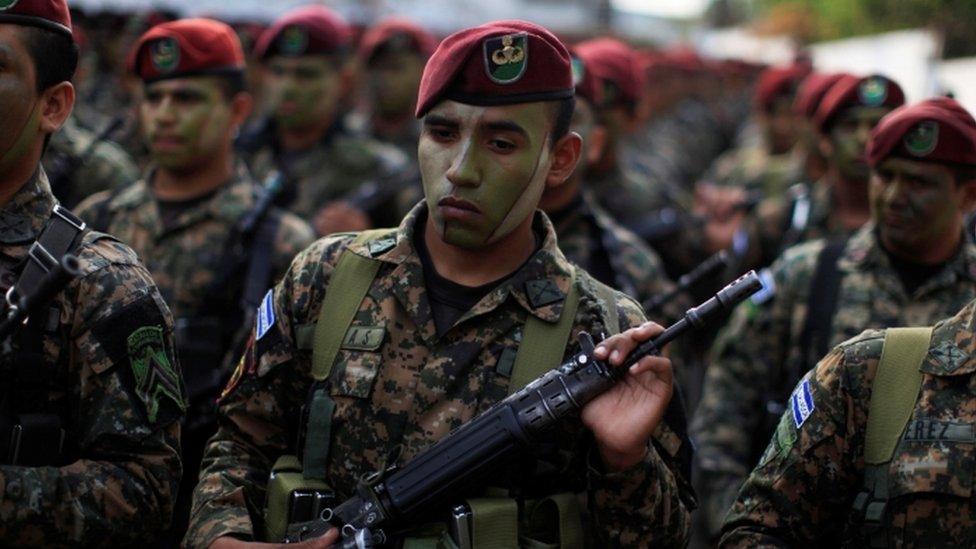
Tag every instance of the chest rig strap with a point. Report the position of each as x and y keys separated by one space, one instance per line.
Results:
x=896 y=387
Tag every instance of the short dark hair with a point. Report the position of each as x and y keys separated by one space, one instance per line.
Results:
x=562 y=117
x=54 y=54
x=232 y=84
x=963 y=173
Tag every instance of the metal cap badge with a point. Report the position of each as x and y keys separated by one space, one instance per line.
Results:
x=165 y=55
x=506 y=57
x=922 y=139
x=873 y=91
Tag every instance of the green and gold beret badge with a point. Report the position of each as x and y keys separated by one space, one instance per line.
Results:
x=579 y=70
x=873 y=92
x=506 y=57
x=293 y=41
x=922 y=139
x=165 y=55
x=7 y=4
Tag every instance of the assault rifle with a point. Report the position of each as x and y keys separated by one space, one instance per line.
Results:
x=19 y=307
x=388 y=501
x=707 y=268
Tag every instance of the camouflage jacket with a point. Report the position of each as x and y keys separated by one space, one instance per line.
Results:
x=757 y=359
x=332 y=170
x=186 y=258
x=78 y=166
x=801 y=493
x=414 y=387
x=588 y=234
x=754 y=169
x=109 y=373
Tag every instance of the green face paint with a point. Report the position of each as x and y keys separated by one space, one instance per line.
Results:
x=185 y=121
x=483 y=169
x=303 y=91
x=849 y=136
x=22 y=143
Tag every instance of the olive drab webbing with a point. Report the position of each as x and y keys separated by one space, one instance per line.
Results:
x=28 y=437
x=896 y=387
x=543 y=346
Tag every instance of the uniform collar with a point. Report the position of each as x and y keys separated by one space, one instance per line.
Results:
x=539 y=286
x=24 y=216
x=952 y=350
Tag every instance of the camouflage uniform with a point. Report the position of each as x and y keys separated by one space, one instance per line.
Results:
x=757 y=360
x=115 y=481
x=406 y=391
x=754 y=169
x=332 y=170
x=79 y=168
x=802 y=491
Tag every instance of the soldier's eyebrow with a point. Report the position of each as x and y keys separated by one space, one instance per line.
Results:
x=438 y=120
x=506 y=126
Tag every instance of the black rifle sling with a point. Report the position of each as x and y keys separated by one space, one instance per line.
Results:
x=821 y=305
x=257 y=278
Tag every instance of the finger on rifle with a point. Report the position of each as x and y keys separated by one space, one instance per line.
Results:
x=616 y=348
x=661 y=367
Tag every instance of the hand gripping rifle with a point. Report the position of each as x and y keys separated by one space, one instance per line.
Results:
x=388 y=500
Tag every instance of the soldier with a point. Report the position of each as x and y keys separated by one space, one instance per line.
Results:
x=847 y=477
x=837 y=204
x=435 y=340
x=392 y=55
x=198 y=219
x=80 y=163
x=588 y=235
x=909 y=267
x=92 y=394
x=305 y=55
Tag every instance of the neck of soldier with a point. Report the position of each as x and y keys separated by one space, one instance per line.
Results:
x=557 y=198
x=851 y=205
x=483 y=265
x=12 y=179
x=294 y=138
x=174 y=184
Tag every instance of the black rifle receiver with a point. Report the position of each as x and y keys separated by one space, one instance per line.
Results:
x=19 y=307
x=388 y=500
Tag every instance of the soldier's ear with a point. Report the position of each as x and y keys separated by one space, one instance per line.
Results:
x=55 y=106
x=240 y=108
x=967 y=197
x=596 y=144
x=565 y=155
x=825 y=145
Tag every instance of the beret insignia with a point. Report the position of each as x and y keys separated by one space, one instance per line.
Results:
x=922 y=139
x=293 y=41
x=506 y=57
x=7 y=4
x=579 y=70
x=873 y=92
x=165 y=55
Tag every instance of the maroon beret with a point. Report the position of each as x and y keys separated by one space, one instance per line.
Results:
x=305 y=31
x=812 y=90
x=587 y=85
x=938 y=130
x=47 y=14
x=398 y=34
x=777 y=82
x=616 y=64
x=186 y=47
x=499 y=63
x=850 y=91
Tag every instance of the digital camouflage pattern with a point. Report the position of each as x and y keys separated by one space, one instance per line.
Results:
x=757 y=357
x=801 y=493
x=78 y=167
x=587 y=235
x=185 y=258
x=331 y=170
x=415 y=388
x=116 y=483
x=753 y=168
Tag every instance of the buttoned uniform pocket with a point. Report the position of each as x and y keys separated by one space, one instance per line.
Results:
x=930 y=485
x=354 y=373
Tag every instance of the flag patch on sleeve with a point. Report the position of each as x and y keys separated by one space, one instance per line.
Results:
x=266 y=316
x=802 y=403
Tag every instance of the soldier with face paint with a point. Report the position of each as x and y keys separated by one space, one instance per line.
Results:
x=307 y=77
x=91 y=394
x=184 y=218
x=820 y=482
x=909 y=266
x=435 y=338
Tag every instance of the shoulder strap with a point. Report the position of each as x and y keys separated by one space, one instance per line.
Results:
x=544 y=343
x=257 y=277
x=821 y=305
x=350 y=281
x=59 y=237
x=896 y=387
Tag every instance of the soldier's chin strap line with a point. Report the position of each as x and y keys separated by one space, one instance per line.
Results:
x=390 y=502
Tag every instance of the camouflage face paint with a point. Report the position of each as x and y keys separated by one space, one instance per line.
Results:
x=20 y=121
x=303 y=91
x=849 y=135
x=185 y=121
x=491 y=162
x=393 y=80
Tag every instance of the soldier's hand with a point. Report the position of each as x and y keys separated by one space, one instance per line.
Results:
x=323 y=542
x=623 y=418
x=340 y=217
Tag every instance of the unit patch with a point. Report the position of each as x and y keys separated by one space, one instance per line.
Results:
x=155 y=376
x=801 y=402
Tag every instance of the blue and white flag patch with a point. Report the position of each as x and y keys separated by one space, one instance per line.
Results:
x=266 y=316
x=768 y=289
x=802 y=403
